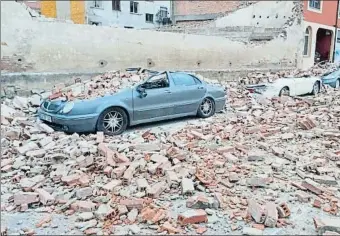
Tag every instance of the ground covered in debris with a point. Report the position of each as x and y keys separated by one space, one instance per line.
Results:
x=261 y=167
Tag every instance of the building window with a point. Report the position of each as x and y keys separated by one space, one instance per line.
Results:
x=163 y=12
x=97 y=3
x=133 y=7
x=149 y=18
x=315 y=4
x=116 y=5
x=307 y=43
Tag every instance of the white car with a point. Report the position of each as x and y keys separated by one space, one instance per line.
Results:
x=287 y=87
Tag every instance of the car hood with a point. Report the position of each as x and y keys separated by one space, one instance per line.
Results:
x=91 y=104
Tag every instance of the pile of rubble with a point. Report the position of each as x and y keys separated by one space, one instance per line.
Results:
x=249 y=170
x=317 y=70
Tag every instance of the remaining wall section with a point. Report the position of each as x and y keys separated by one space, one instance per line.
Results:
x=34 y=46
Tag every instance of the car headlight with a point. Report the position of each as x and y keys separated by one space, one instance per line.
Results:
x=68 y=107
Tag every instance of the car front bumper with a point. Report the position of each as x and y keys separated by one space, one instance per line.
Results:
x=330 y=82
x=71 y=124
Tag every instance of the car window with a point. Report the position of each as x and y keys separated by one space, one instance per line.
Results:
x=157 y=81
x=183 y=79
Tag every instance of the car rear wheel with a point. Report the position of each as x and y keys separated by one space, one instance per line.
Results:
x=206 y=108
x=112 y=121
x=284 y=92
x=316 y=88
x=337 y=84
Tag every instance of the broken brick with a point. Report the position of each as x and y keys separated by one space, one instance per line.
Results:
x=192 y=217
x=271 y=215
x=45 y=197
x=256 y=211
x=132 y=203
x=25 y=198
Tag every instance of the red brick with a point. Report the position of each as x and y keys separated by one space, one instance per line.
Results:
x=283 y=210
x=132 y=203
x=25 y=198
x=225 y=149
x=202 y=7
x=201 y=230
x=312 y=186
x=198 y=135
x=84 y=180
x=45 y=197
x=108 y=171
x=118 y=172
x=71 y=180
x=193 y=217
x=83 y=206
x=317 y=203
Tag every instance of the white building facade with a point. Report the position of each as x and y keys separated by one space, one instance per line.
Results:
x=128 y=14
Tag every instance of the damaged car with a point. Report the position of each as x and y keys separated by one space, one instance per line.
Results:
x=332 y=79
x=287 y=87
x=164 y=95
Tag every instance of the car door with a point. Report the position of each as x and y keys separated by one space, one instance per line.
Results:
x=187 y=92
x=302 y=86
x=158 y=100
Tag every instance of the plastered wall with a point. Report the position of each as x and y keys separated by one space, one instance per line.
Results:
x=34 y=46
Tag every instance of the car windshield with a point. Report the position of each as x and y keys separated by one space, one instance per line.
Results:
x=333 y=74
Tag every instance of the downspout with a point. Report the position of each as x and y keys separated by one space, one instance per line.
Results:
x=172 y=5
x=336 y=29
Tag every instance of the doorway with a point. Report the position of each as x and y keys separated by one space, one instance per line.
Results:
x=323 y=46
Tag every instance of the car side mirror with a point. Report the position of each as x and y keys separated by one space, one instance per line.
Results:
x=141 y=91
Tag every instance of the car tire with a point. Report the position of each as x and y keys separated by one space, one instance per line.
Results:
x=206 y=108
x=337 y=84
x=112 y=121
x=284 y=92
x=316 y=88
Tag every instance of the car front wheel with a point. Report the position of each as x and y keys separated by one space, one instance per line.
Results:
x=316 y=88
x=206 y=108
x=337 y=84
x=113 y=121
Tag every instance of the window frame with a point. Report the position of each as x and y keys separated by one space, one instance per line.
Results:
x=313 y=9
x=165 y=9
x=173 y=76
x=309 y=35
x=134 y=3
x=116 y=5
x=152 y=16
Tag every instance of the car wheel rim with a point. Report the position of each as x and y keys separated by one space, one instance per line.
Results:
x=113 y=121
x=206 y=106
x=316 y=88
x=285 y=92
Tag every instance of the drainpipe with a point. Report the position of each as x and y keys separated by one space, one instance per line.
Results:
x=336 y=29
x=172 y=7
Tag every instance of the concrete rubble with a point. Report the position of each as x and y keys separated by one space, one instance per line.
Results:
x=246 y=170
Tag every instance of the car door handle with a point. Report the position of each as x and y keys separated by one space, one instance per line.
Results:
x=167 y=91
x=200 y=87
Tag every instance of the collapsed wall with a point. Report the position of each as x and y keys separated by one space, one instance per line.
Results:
x=30 y=45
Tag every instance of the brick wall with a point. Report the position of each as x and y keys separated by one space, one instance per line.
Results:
x=204 y=7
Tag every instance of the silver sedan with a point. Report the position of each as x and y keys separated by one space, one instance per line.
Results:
x=165 y=95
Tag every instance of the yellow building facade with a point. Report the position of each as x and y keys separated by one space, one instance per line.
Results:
x=64 y=10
